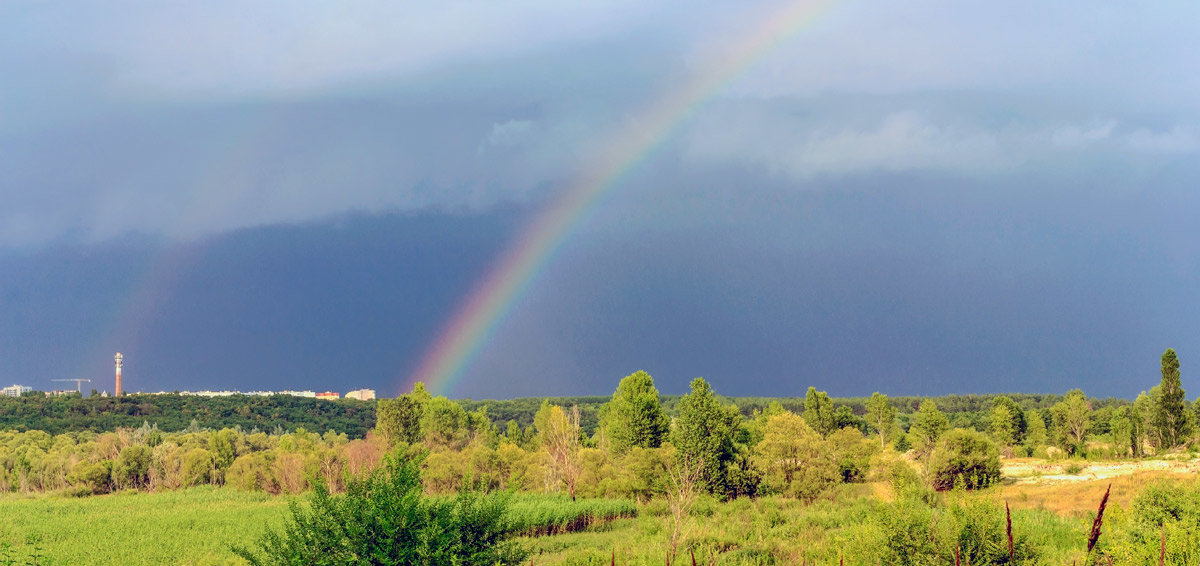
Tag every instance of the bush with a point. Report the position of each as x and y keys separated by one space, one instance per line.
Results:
x=964 y=457
x=852 y=453
x=1073 y=468
x=1161 y=508
x=96 y=476
x=1162 y=503
x=385 y=518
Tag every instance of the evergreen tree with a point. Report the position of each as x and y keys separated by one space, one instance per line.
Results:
x=634 y=416
x=1170 y=416
x=703 y=435
x=818 y=412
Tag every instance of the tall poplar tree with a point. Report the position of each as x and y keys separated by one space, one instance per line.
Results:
x=818 y=411
x=703 y=435
x=1170 y=416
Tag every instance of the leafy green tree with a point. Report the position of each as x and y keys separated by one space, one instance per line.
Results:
x=703 y=436
x=1071 y=421
x=1146 y=406
x=132 y=468
x=928 y=424
x=844 y=417
x=1035 y=432
x=1001 y=426
x=399 y=419
x=1170 y=416
x=560 y=436
x=818 y=411
x=1196 y=414
x=221 y=444
x=852 y=453
x=1018 y=422
x=795 y=460
x=445 y=423
x=97 y=476
x=881 y=415
x=1122 y=431
x=634 y=416
x=964 y=457
x=385 y=518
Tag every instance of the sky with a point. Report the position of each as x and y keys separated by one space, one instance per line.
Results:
x=916 y=198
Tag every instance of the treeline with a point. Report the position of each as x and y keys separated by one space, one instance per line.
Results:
x=146 y=458
x=964 y=411
x=172 y=412
x=638 y=450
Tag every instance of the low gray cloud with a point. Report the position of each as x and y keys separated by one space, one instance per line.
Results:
x=188 y=121
x=797 y=139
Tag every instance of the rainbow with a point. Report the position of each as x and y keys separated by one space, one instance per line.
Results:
x=479 y=316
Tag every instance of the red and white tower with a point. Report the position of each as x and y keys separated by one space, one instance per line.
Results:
x=118 y=359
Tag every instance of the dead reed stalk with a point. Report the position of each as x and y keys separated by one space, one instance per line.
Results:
x=1162 y=547
x=1008 y=530
x=1099 y=522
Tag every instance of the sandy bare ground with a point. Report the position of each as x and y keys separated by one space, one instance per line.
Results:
x=1031 y=471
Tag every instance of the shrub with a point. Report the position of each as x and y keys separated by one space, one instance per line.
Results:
x=916 y=533
x=96 y=476
x=384 y=518
x=1170 y=509
x=964 y=457
x=852 y=453
x=1160 y=503
x=1073 y=468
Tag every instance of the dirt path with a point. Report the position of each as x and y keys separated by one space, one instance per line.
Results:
x=1030 y=471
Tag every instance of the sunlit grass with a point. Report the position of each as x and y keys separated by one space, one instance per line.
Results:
x=193 y=526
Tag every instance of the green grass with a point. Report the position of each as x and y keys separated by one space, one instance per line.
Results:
x=535 y=514
x=192 y=527
x=196 y=526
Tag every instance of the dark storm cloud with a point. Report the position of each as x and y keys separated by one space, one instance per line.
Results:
x=915 y=198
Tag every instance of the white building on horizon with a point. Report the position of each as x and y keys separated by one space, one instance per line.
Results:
x=309 y=394
x=15 y=390
x=361 y=394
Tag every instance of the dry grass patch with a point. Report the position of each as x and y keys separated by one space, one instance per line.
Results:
x=1080 y=497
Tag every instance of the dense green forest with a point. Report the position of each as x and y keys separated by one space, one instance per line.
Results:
x=964 y=411
x=170 y=412
x=285 y=413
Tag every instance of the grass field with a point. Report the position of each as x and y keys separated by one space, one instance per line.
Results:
x=193 y=526
x=197 y=526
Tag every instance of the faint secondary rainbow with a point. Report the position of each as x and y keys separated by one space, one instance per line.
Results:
x=475 y=320
x=135 y=314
